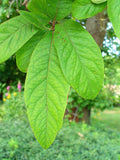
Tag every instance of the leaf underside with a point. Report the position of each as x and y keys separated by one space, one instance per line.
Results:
x=81 y=65
x=13 y=37
x=46 y=92
x=24 y=54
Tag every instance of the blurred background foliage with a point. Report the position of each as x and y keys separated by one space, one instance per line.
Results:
x=10 y=8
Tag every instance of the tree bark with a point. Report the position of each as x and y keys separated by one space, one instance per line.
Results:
x=96 y=26
x=86 y=115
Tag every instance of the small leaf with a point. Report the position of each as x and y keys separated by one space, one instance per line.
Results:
x=114 y=15
x=14 y=33
x=80 y=58
x=24 y=54
x=83 y=9
x=54 y=9
x=46 y=92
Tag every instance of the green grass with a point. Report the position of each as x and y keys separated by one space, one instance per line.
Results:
x=110 y=118
x=74 y=141
x=100 y=141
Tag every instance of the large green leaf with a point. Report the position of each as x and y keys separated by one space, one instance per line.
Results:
x=14 y=33
x=83 y=9
x=114 y=15
x=38 y=21
x=24 y=54
x=46 y=92
x=54 y=8
x=80 y=58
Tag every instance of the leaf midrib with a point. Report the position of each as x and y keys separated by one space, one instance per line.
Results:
x=50 y=52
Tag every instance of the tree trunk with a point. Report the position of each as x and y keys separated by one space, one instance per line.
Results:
x=96 y=26
x=86 y=115
x=74 y=116
x=1 y=96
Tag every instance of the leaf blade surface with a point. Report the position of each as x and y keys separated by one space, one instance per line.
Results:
x=39 y=21
x=83 y=9
x=113 y=7
x=24 y=54
x=54 y=9
x=80 y=58
x=14 y=33
x=46 y=92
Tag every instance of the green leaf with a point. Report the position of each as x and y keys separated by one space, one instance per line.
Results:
x=62 y=8
x=83 y=9
x=38 y=7
x=46 y=92
x=113 y=7
x=80 y=58
x=54 y=8
x=98 y=1
x=38 y=21
x=24 y=54
x=14 y=33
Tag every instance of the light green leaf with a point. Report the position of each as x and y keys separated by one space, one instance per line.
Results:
x=113 y=7
x=98 y=1
x=46 y=92
x=14 y=33
x=24 y=54
x=54 y=8
x=39 y=21
x=80 y=58
x=83 y=9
